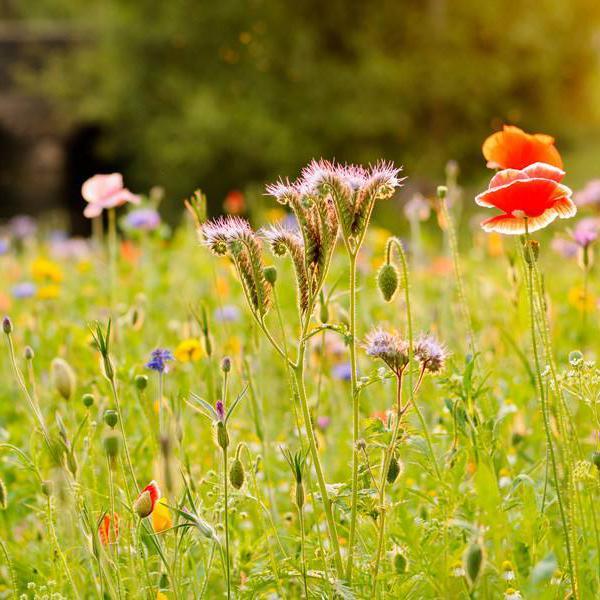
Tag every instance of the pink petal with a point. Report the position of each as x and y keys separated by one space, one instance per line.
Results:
x=544 y=171
x=99 y=187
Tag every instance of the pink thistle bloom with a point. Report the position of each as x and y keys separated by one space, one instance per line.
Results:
x=105 y=191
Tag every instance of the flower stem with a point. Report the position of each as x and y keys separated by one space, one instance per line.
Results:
x=225 y=497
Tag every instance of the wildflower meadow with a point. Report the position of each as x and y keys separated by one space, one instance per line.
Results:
x=295 y=400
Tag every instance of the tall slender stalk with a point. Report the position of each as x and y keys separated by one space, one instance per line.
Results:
x=529 y=259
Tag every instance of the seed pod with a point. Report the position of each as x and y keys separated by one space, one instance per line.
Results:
x=88 y=400
x=63 y=377
x=111 y=418
x=400 y=562
x=393 y=470
x=222 y=435
x=270 y=274
x=473 y=561
x=387 y=280
x=3 y=496
x=236 y=473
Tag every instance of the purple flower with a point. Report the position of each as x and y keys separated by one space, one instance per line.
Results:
x=4 y=246
x=23 y=290
x=64 y=248
x=343 y=371
x=589 y=195
x=158 y=360
x=220 y=409
x=417 y=208
x=586 y=232
x=323 y=422
x=22 y=226
x=564 y=247
x=143 y=219
x=228 y=313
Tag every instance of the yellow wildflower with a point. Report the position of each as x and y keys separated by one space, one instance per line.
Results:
x=44 y=269
x=161 y=517
x=580 y=300
x=189 y=350
x=48 y=292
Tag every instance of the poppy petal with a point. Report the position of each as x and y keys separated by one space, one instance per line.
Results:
x=544 y=171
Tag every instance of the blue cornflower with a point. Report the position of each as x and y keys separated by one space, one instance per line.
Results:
x=145 y=219
x=342 y=371
x=23 y=290
x=158 y=360
x=227 y=314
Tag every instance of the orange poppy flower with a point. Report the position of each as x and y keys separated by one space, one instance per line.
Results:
x=512 y=148
x=532 y=196
x=108 y=534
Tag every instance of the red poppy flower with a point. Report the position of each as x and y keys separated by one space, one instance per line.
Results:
x=532 y=196
x=108 y=534
x=512 y=148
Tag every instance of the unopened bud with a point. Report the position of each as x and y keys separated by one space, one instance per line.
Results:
x=28 y=353
x=143 y=505
x=222 y=435
x=532 y=251
x=236 y=473
x=7 y=326
x=270 y=274
x=88 y=400
x=141 y=382
x=47 y=487
x=387 y=281
x=393 y=470
x=112 y=445
x=442 y=192
x=299 y=494
x=63 y=377
x=226 y=364
x=111 y=418
x=473 y=560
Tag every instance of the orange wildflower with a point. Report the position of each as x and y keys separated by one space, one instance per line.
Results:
x=108 y=534
x=512 y=148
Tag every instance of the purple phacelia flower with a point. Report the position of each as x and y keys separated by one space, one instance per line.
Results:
x=388 y=346
x=342 y=371
x=228 y=313
x=158 y=360
x=23 y=290
x=431 y=353
x=218 y=232
x=143 y=219
x=589 y=195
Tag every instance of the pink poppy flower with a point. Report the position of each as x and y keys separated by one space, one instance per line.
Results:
x=105 y=191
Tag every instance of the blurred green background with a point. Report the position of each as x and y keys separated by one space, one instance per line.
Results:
x=229 y=94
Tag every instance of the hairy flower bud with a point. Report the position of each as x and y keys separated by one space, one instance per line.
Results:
x=141 y=382
x=393 y=470
x=387 y=280
x=28 y=353
x=531 y=249
x=143 y=505
x=88 y=400
x=111 y=418
x=270 y=274
x=236 y=473
x=222 y=435
x=63 y=377
x=226 y=364
x=7 y=325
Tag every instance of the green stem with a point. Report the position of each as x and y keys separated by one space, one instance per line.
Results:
x=303 y=550
x=225 y=496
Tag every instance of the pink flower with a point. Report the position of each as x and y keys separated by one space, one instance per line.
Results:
x=105 y=191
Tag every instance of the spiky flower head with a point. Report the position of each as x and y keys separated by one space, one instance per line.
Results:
x=431 y=353
x=220 y=232
x=388 y=346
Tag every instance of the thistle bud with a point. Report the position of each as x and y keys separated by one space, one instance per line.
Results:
x=47 y=487
x=88 y=400
x=393 y=470
x=473 y=561
x=400 y=562
x=143 y=505
x=111 y=418
x=7 y=325
x=236 y=473
x=226 y=364
x=387 y=280
x=222 y=435
x=3 y=496
x=270 y=274
x=141 y=382
x=28 y=353
x=63 y=377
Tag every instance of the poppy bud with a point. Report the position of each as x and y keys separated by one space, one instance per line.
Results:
x=7 y=326
x=400 y=562
x=47 y=487
x=63 y=377
x=222 y=435
x=28 y=353
x=141 y=382
x=3 y=496
x=111 y=418
x=112 y=445
x=88 y=400
x=145 y=502
x=473 y=560
x=270 y=274
x=393 y=470
x=236 y=473
x=387 y=280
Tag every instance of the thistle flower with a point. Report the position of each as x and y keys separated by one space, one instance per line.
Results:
x=158 y=360
x=390 y=347
x=431 y=353
x=146 y=501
